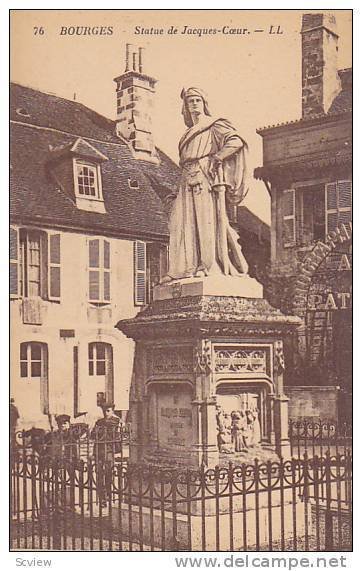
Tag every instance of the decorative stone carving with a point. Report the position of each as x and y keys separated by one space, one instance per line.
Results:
x=169 y=360
x=240 y=360
x=203 y=358
x=279 y=356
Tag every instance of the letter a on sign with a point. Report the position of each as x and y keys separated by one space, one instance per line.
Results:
x=344 y=263
x=330 y=303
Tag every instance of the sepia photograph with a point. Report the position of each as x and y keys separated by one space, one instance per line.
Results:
x=181 y=281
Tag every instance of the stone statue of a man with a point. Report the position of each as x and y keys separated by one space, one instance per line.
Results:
x=212 y=159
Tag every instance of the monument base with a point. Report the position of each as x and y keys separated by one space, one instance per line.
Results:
x=208 y=374
x=219 y=285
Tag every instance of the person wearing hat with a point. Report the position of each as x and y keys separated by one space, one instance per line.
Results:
x=107 y=443
x=212 y=159
x=61 y=443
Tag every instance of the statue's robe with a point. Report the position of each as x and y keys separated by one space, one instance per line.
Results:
x=195 y=221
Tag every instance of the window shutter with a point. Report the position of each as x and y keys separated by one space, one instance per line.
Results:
x=338 y=204
x=106 y=271
x=140 y=273
x=344 y=201
x=14 y=262
x=289 y=231
x=331 y=207
x=44 y=385
x=94 y=282
x=109 y=373
x=54 y=266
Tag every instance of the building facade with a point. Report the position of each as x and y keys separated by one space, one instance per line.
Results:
x=88 y=239
x=307 y=168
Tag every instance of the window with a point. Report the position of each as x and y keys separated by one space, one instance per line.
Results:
x=88 y=180
x=338 y=198
x=31 y=273
x=98 y=387
x=99 y=271
x=33 y=360
x=157 y=266
x=97 y=359
x=312 y=215
x=34 y=368
x=35 y=264
x=140 y=273
x=288 y=206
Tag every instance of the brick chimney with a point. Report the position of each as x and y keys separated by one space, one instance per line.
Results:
x=320 y=78
x=135 y=92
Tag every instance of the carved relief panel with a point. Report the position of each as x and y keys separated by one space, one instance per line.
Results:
x=242 y=359
x=169 y=360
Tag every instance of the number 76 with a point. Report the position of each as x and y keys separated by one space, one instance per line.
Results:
x=39 y=31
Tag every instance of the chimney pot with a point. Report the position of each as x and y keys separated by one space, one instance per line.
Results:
x=134 y=58
x=128 y=47
x=140 y=59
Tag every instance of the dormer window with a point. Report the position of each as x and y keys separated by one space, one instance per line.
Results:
x=88 y=185
x=88 y=180
x=80 y=163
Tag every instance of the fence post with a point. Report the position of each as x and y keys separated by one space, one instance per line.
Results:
x=306 y=498
x=55 y=507
x=329 y=513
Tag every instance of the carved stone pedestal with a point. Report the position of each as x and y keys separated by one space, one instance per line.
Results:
x=200 y=361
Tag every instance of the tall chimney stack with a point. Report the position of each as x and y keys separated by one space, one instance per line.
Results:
x=320 y=79
x=135 y=93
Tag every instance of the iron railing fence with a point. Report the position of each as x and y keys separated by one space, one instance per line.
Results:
x=319 y=437
x=81 y=442
x=78 y=443
x=300 y=504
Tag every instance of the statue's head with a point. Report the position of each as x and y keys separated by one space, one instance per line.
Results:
x=194 y=101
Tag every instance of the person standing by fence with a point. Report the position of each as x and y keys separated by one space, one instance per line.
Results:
x=107 y=443
x=14 y=417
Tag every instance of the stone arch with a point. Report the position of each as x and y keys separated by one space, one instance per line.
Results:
x=312 y=261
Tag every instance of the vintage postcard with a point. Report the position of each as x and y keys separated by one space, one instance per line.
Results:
x=180 y=282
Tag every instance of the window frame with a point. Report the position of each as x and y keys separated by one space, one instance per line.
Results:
x=46 y=263
x=79 y=163
x=29 y=360
x=101 y=270
x=301 y=201
x=94 y=360
x=24 y=255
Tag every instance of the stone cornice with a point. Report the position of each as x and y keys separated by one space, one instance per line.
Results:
x=209 y=316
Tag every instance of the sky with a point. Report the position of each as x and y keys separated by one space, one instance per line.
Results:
x=253 y=79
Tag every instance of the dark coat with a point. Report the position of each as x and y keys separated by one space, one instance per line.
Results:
x=107 y=438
